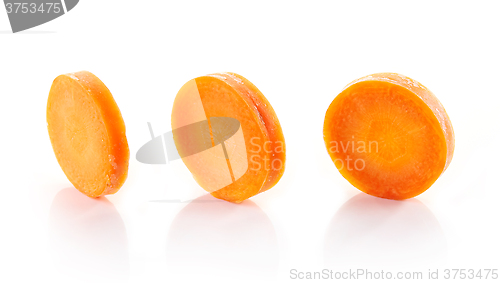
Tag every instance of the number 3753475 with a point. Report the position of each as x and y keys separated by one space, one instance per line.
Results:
x=33 y=8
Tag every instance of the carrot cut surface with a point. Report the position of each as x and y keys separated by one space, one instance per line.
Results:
x=246 y=146
x=87 y=133
x=389 y=136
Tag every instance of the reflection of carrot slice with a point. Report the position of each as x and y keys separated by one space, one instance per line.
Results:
x=87 y=133
x=245 y=164
x=389 y=136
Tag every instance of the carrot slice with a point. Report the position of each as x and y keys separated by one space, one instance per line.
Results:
x=235 y=167
x=87 y=133
x=389 y=136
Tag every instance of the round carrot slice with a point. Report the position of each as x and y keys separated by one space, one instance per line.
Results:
x=87 y=133
x=246 y=146
x=389 y=136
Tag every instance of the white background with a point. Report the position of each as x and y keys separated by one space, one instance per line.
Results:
x=300 y=55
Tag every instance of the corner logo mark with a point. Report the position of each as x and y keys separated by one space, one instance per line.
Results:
x=25 y=14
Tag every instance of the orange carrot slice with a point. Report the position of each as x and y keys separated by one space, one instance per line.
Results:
x=87 y=133
x=389 y=136
x=234 y=168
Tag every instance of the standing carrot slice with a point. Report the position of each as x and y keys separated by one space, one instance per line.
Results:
x=389 y=136
x=236 y=167
x=87 y=133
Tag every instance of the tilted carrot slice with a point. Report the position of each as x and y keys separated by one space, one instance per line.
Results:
x=240 y=166
x=389 y=136
x=87 y=133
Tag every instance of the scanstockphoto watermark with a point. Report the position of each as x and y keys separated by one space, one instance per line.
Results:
x=357 y=148
x=259 y=162
x=222 y=138
x=367 y=274
x=354 y=274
